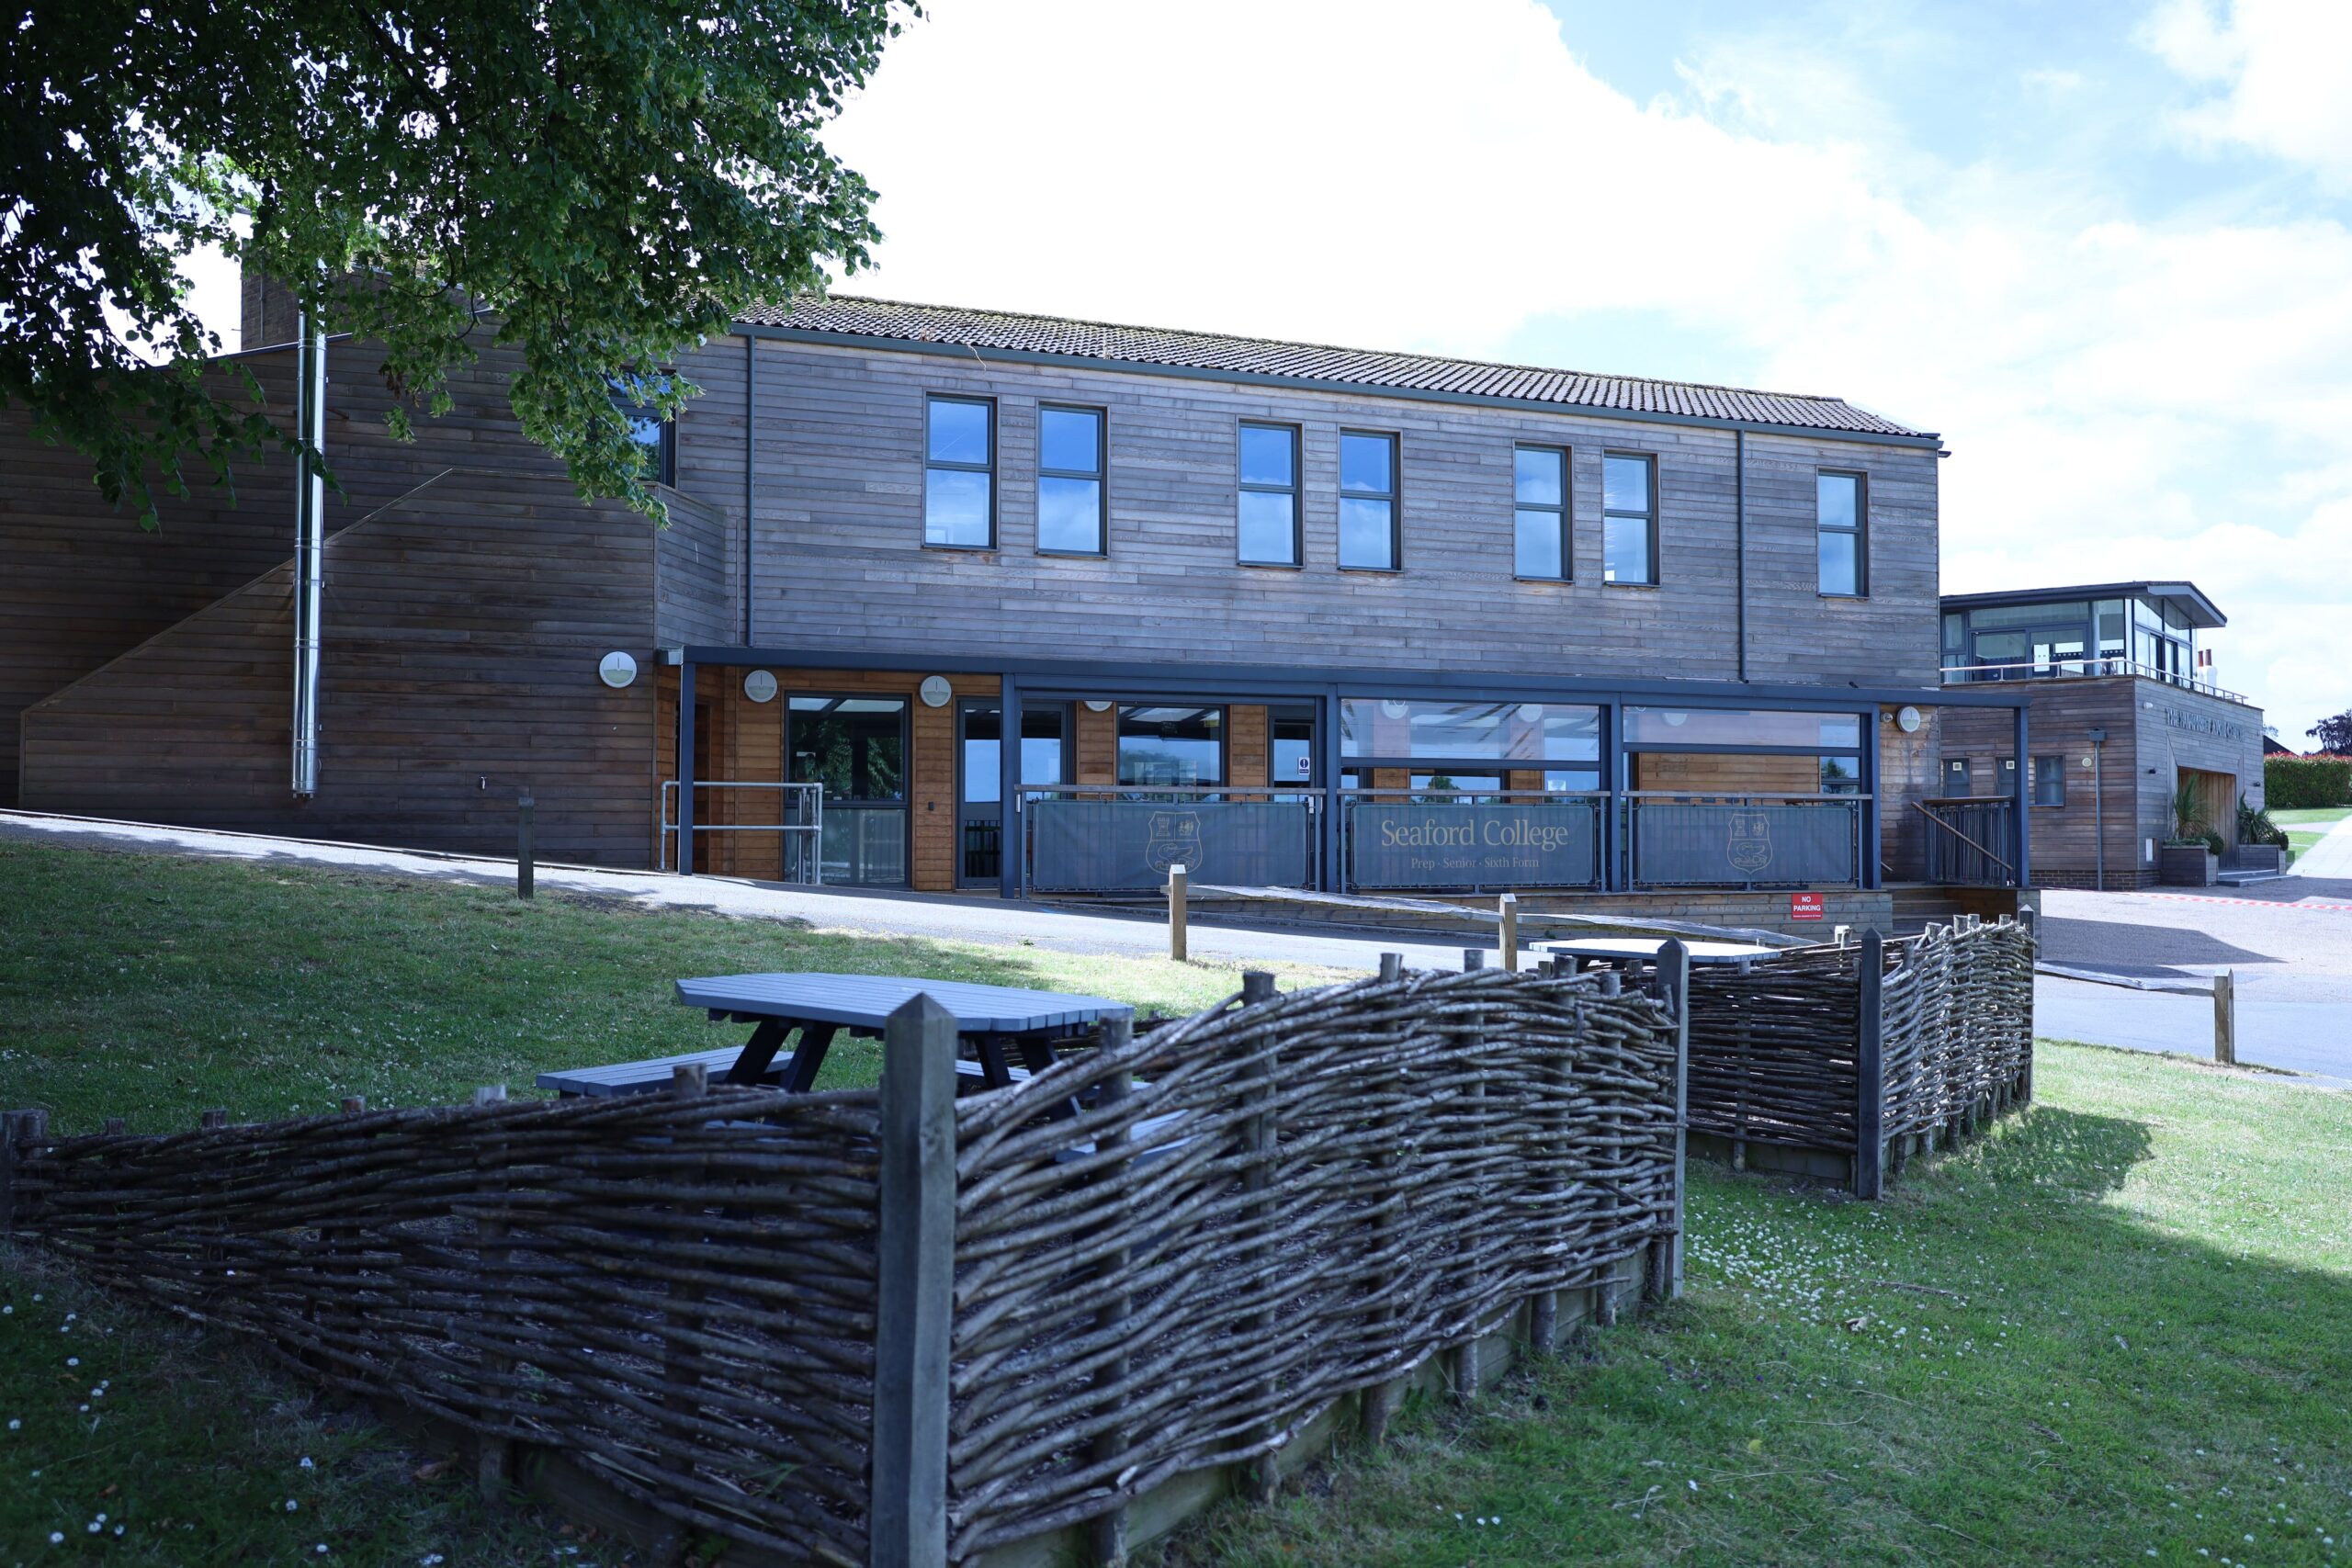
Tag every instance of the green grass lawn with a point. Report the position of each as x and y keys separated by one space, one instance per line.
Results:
x=2307 y=825
x=2121 y=1324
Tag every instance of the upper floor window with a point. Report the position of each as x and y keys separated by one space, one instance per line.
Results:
x=1367 y=501
x=1539 y=544
x=1628 y=518
x=960 y=473
x=1269 y=513
x=1841 y=516
x=656 y=438
x=1069 y=481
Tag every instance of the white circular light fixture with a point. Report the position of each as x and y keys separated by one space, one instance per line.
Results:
x=1907 y=719
x=1392 y=708
x=1098 y=708
x=1531 y=713
x=934 y=691
x=1677 y=719
x=760 y=686
x=616 y=670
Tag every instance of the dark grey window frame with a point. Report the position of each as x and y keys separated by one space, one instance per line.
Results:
x=1862 y=532
x=2034 y=784
x=1650 y=517
x=664 y=451
x=1100 y=476
x=996 y=499
x=1394 y=496
x=1566 y=509
x=1295 y=490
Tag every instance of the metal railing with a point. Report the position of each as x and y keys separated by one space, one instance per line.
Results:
x=1122 y=837
x=1970 y=839
x=1677 y=838
x=1429 y=840
x=2083 y=669
x=801 y=856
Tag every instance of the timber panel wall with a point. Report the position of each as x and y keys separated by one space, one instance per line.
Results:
x=2153 y=729
x=466 y=624
x=841 y=562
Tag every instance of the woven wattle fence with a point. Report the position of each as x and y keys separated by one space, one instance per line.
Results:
x=1844 y=1061
x=898 y=1326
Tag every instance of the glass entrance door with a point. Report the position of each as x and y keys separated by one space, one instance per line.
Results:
x=979 y=767
x=856 y=748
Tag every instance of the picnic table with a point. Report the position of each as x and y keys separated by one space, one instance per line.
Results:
x=999 y=1022
x=1634 y=953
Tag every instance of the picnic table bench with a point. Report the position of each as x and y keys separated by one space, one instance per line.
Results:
x=1000 y=1022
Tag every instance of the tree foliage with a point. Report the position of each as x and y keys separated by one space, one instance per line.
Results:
x=2334 y=735
x=599 y=183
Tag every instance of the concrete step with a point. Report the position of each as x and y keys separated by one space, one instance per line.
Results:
x=2244 y=878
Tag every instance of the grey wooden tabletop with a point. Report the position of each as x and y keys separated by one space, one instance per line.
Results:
x=866 y=1001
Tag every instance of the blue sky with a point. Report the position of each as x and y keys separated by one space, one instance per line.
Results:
x=2104 y=248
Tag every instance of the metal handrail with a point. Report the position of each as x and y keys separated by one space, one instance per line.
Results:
x=1308 y=793
x=812 y=794
x=1927 y=810
x=2085 y=668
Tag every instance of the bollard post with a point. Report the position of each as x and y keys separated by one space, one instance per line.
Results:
x=526 y=855
x=1473 y=958
x=915 y=1268
x=1869 y=1071
x=1508 y=907
x=2225 y=1018
x=1176 y=913
x=1392 y=966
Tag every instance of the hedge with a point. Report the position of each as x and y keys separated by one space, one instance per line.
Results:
x=2294 y=783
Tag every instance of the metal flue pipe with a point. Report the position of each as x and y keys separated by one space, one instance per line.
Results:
x=309 y=549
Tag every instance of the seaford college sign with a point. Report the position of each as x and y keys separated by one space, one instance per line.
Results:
x=1407 y=844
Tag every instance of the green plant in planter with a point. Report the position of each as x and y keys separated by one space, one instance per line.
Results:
x=2256 y=827
x=2188 y=825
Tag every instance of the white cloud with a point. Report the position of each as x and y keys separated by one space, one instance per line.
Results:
x=2283 y=73
x=2152 y=398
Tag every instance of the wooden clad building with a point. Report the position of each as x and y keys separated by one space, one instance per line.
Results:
x=2124 y=716
x=961 y=599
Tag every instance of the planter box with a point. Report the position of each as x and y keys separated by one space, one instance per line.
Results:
x=2187 y=865
x=2254 y=857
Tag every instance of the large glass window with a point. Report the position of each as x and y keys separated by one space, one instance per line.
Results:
x=2113 y=630
x=1628 y=518
x=2050 y=781
x=1510 y=731
x=1541 y=545
x=1839 y=514
x=1367 y=501
x=960 y=473
x=1044 y=749
x=1163 y=744
x=856 y=748
x=656 y=438
x=1742 y=727
x=1841 y=775
x=1268 y=506
x=1069 y=481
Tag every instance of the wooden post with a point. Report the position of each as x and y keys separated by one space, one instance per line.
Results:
x=1259 y=1139
x=8 y=1171
x=1869 y=1072
x=1392 y=966
x=915 y=1304
x=525 y=857
x=2225 y=1018
x=1508 y=906
x=1473 y=958
x=1107 y=1532
x=1176 y=913
x=1665 y=1284
x=2031 y=920
x=493 y=1457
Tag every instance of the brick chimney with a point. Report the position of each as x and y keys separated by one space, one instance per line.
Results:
x=268 y=317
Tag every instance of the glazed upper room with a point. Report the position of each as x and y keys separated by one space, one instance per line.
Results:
x=1016 y=337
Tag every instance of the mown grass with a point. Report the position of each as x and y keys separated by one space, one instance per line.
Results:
x=2122 y=1324
x=2306 y=826
x=2118 y=1330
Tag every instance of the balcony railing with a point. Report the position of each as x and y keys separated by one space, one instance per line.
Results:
x=2083 y=669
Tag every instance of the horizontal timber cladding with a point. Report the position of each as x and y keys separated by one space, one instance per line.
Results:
x=2154 y=731
x=746 y=745
x=465 y=623
x=839 y=560
x=86 y=584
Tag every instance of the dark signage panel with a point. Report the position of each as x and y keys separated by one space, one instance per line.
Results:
x=1409 y=843
x=1708 y=844
x=1108 y=846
